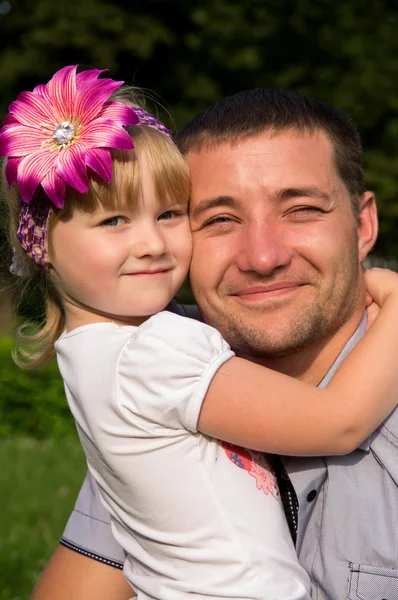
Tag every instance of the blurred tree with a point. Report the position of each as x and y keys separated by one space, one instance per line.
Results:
x=194 y=52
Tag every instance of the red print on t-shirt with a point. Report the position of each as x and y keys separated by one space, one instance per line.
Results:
x=256 y=465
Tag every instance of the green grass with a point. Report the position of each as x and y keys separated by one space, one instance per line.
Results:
x=32 y=403
x=39 y=481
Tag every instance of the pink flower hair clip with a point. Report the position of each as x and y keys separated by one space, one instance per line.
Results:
x=51 y=135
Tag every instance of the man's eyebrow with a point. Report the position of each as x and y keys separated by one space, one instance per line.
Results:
x=216 y=202
x=302 y=192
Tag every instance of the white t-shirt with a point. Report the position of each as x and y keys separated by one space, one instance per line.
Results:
x=197 y=518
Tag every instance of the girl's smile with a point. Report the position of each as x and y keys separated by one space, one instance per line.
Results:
x=149 y=273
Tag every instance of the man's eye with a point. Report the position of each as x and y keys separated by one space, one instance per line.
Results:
x=216 y=220
x=307 y=210
x=311 y=208
x=113 y=221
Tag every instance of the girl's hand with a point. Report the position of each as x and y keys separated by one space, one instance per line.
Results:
x=372 y=310
x=381 y=284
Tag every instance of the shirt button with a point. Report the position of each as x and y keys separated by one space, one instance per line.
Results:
x=311 y=496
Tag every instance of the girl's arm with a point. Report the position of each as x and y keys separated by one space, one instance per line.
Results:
x=252 y=406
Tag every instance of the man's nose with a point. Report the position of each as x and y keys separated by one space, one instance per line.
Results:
x=148 y=240
x=263 y=248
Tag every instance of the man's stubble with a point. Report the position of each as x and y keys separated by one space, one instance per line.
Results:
x=266 y=335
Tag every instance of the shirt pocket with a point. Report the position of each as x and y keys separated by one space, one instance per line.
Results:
x=372 y=583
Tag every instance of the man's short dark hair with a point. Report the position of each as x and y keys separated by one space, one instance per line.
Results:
x=252 y=112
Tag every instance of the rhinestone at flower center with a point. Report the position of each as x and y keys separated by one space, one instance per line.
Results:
x=64 y=132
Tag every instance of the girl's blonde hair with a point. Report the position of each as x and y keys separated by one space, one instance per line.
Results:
x=35 y=344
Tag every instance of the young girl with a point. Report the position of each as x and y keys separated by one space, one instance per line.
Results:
x=153 y=392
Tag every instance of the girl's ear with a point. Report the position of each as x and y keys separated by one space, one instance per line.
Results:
x=367 y=224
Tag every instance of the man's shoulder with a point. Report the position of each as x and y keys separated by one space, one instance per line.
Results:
x=185 y=310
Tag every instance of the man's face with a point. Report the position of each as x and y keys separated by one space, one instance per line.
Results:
x=277 y=249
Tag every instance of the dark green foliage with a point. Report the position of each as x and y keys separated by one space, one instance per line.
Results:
x=184 y=295
x=32 y=403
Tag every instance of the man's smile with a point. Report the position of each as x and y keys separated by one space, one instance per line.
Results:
x=258 y=293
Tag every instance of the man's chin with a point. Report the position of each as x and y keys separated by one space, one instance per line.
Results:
x=272 y=335
x=269 y=348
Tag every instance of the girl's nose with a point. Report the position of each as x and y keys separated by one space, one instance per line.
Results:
x=149 y=242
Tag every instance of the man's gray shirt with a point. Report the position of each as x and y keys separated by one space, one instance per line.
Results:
x=347 y=537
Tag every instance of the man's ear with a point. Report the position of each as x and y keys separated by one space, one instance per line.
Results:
x=367 y=224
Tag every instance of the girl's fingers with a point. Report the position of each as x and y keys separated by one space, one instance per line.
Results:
x=368 y=300
x=372 y=310
x=381 y=283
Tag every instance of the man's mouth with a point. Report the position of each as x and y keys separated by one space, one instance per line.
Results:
x=257 y=293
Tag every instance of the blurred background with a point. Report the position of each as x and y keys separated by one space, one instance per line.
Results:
x=189 y=54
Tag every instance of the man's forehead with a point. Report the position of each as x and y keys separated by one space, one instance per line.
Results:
x=268 y=161
x=252 y=144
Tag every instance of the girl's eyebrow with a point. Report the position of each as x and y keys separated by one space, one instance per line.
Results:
x=205 y=205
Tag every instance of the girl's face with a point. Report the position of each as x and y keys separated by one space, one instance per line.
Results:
x=121 y=266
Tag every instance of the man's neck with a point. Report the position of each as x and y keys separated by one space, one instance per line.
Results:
x=313 y=362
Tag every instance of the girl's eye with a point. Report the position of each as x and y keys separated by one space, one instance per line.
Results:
x=166 y=216
x=113 y=221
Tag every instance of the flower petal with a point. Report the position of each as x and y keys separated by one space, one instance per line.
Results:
x=31 y=110
x=9 y=119
x=91 y=97
x=120 y=113
x=40 y=90
x=88 y=76
x=54 y=187
x=19 y=140
x=102 y=133
x=61 y=89
x=12 y=170
x=100 y=161
x=71 y=166
x=32 y=169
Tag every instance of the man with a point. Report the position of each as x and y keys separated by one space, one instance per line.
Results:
x=281 y=221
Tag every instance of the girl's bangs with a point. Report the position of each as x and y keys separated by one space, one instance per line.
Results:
x=168 y=167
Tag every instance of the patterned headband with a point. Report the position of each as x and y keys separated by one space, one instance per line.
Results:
x=51 y=135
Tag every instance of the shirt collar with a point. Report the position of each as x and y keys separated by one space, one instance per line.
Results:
x=352 y=342
x=354 y=339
